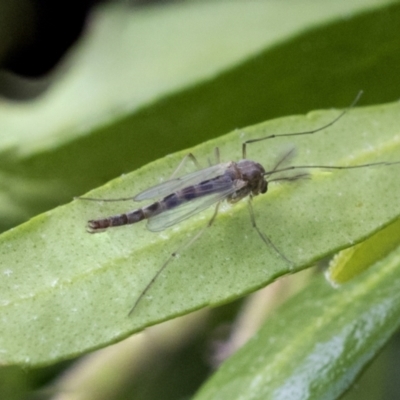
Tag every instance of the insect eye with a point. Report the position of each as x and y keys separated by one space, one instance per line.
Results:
x=264 y=187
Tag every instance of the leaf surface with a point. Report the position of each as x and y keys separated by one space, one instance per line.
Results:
x=64 y=291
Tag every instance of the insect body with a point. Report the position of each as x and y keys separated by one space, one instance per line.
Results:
x=226 y=181
x=183 y=197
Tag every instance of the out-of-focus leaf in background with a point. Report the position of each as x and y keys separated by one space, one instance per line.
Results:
x=144 y=84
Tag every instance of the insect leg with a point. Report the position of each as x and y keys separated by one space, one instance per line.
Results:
x=101 y=200
x=172 y=256
x=216 y=156
x=321 y=128
x=304 y=175
x=332 y=167
x=264 y=237
x=183 y=162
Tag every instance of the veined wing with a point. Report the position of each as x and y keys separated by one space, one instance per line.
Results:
x=186 y=210
x=173 y=185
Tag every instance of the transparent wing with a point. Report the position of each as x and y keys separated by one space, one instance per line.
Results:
x=173 y=185
x=171 y=217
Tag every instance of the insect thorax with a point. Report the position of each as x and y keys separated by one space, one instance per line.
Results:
x=249 y=178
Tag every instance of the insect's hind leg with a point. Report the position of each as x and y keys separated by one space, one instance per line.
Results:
x=192 y=157
x=172 y=256
x=264 y=237
x=188 y=156
x=181 y=164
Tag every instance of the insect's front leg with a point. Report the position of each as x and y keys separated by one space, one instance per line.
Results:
x=310 y=132
x=264 y=237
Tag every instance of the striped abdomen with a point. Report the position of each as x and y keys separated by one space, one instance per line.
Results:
x=167 y=203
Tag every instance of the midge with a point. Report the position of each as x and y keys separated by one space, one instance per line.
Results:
x=183 y=197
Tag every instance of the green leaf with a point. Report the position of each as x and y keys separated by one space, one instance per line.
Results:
x=317 y=343
x=353 y=261
x=64 y=291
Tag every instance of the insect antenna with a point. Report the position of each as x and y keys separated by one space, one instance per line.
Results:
x=311 y=132
x=285 y=158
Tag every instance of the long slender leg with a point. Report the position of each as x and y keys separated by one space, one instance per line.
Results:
x=172 y=256
x=333 y=167
x=264 y=237
x=216 y=156
x=304 y=175
x=183 y=162
x=311 y=132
